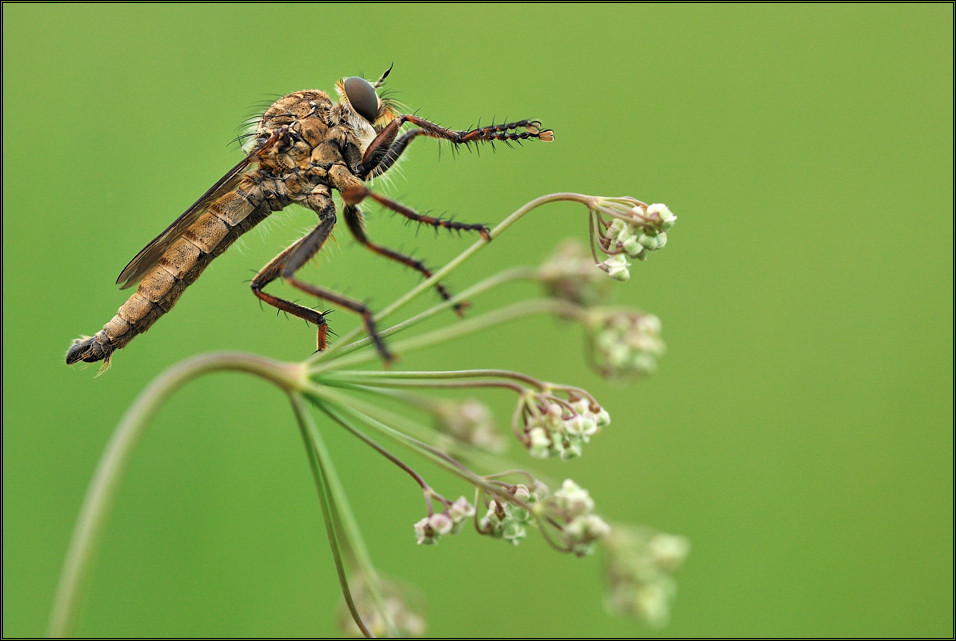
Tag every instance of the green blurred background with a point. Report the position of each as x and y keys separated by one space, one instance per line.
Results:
x=798 y=430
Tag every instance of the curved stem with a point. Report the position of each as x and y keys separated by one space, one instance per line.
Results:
x=468 y=294
x=421 y=447
x=449 y=332
x=516 y=273
x=317 y=455
x=391 y=377
x=102 y=489
x=367 y=412
x=378 y=448
x=453 y=264
x=393 y=389
x=355 y=543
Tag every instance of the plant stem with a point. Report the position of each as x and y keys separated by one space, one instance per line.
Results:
x=452 y=265
x=109 y=471
x=367 y=413
x=318 y=455
x=449 y=332
x=387 y=378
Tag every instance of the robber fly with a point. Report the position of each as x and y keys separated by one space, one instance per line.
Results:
x=303 y=147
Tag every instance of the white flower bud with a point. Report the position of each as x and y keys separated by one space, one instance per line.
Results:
x=668 y=550
x=652 y=241
x=460 y=510
x=441 y=523
x=649 y=324
x=662 y=213
x=616 y=267
x=617 y=231
x=574 y=498
x=514 y=532
x=602 y=418
x=424 y=534
x=633 y=246
x=540 y=443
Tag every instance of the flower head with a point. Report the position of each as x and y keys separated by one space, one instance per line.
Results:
x=508 y=519
x=625 y=343
x=550 y=426
x=469 y=422
x=628 y=227
x=569 y=274
x=581 y=528
x=431 y=528
x=640 y=563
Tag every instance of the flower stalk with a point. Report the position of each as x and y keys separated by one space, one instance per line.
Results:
x=549 y=420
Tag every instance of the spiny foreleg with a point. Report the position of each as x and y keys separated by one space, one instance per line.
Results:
x=384 y=150
x=353 y=219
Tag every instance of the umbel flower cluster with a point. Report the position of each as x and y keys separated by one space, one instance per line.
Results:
x=397 y=413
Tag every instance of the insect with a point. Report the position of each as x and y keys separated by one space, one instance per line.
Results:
x=303 y=147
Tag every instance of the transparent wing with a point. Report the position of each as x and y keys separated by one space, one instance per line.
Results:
x=149 y=257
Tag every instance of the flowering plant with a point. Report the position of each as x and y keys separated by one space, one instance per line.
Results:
x=550 y=420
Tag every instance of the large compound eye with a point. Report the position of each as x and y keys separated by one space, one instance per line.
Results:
x=362 y=97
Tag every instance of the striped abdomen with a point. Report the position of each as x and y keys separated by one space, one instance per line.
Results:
x=187 y=256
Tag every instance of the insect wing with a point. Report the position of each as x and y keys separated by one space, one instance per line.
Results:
x=149 y=257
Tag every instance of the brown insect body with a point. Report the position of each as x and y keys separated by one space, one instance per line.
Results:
x=304 y=146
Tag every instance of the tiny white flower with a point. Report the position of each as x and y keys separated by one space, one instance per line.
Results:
x=662 y=213
x=651 y=600
x=514 y=533
x=581 y=533
x=522 y=492
x=460 y=510
x=579 y=425
x=572 y=448
x=574 y=498
x=616 y=267
x=643 y=364
x=424 y=534
x=540 y=443
x=633 y=246
x=441 y=523
x=652 y=241
x=669 y=550
x=539 y=491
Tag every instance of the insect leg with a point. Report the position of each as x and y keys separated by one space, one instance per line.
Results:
x=411 y=214
x=356 y=306
x=354 y=191
x=353 y=219
x=286 y=264
x=384 y=150
x=277 y=267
